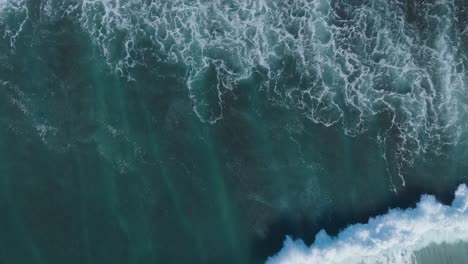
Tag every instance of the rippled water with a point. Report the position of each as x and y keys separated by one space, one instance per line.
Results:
x=206 y=131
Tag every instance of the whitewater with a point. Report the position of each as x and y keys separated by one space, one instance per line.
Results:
x=391 y=238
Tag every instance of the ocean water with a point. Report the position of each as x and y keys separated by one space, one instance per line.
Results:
x=230 y=131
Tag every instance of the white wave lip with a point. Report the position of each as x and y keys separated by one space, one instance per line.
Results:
x=389 y=238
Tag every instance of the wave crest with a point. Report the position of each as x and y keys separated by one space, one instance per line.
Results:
x=390 y=238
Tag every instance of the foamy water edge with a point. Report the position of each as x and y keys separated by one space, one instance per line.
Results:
x=390 y=238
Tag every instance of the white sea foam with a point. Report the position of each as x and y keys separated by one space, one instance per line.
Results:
x=390 y=238
x=345 y=63
x=57 y=9
x=341 y=64
x=19 y=10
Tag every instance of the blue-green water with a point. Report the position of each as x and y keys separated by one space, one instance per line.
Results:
x=183 y=131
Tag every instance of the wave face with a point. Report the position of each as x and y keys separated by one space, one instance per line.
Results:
x=343 y=63
x=390 y=238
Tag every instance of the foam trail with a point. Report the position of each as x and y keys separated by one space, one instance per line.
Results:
x=390 y=238
x=15 y=8
x=344 y=63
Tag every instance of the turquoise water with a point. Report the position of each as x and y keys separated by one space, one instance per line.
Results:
x=206 y=131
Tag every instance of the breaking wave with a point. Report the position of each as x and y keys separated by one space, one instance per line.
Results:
x=390 y=238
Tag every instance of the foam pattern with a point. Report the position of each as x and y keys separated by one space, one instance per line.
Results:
x=397 y=65
x=344 y=63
